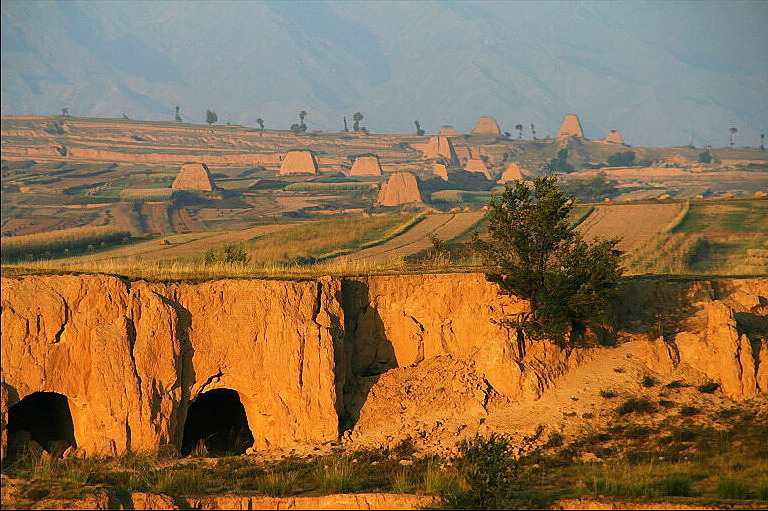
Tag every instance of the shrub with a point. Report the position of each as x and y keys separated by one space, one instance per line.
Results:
x=181 y=482
x=689 y=411
x=622 y=159
x=676 y=384
x=677 y=484
x=708 y=388
x=555 y=440
x=490 y=472
x=401 y=482
x=277 y=484
x=640 y=406
x=729 y=488
x=648 y=381
x=608 y=394
x=336 y=477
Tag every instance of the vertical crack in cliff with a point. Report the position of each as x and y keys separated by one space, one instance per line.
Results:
x=130 y=331
x=57 y=336
x=420 y=352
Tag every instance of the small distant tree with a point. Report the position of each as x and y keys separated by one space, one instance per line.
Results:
x=732 y=131
x=302 y=115
x=296 y=128
x=357 y=118
x=65 y=111
x=260 y=122
x=622 y=159
x=178 y=115
x=419 y=131
x=533 y=130
x=125 y=117
x=705 y=157
x=519 y=129
x=762 y=141
x=507 y=134
x=211 y=117
x=559 y=164
x=346 y=128
x=533 y=253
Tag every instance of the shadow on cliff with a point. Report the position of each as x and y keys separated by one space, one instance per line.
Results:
x=186 y=370
x=368 y=351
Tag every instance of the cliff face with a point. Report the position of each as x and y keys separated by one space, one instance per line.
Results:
x=311 y=359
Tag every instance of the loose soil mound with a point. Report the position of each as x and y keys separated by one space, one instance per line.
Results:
x=193 y=176
x=477 y=165
x=366 y=166
x=299 y=162
x=614 y=137
x=400 y=188
x=513 y=172
x=448 y=131
x=571 y=127
x=440 y=170
x=487 y=125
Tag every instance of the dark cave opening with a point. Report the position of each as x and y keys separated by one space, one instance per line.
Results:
x=217 y=420
x=41 y=417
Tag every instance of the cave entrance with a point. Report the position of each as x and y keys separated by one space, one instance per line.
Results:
x=217 y=420
x=41 y=417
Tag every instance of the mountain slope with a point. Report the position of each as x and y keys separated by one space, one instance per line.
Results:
x=656 y=72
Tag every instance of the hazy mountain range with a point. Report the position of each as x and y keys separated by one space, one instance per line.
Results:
x=656 y=71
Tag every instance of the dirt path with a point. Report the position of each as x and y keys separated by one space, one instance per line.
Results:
x=635 y=223
x=446 y=226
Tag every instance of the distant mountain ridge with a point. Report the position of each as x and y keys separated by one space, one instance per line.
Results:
x=660 y=73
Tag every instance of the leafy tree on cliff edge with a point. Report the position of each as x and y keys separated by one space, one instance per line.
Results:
x=533 y=253
x=211 y=117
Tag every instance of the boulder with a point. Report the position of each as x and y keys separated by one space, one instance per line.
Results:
x=571 y=127
x=400 y=188
x=193 y=176
x=614 y=137
x=367 y=165
x=299 y=162
x=487 y=126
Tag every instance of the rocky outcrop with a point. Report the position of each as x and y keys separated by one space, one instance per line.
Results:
x=440 y=170
x=477 y=165
x=446 y=130
x=571 y=127
x=299 y=162
x=400 y=188
x=366 y=165
x=614 y=137
x=440 y=147
x=385 y=357
x=193 y=176
x=487 y=126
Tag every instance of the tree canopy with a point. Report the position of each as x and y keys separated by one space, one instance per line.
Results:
x=533 y=253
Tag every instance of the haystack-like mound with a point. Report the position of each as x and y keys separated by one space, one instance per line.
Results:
x=299 y=162
x=571 y=127
x=367 y=165
x=400 y=188
x=448 y=131
x=477 y=165
x=441 y=147
x=440 y=170
x=193 y=176
x=487 y=125
x=614 y=137
x=511 y=173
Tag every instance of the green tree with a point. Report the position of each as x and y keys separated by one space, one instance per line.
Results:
x=419 y=131
x=519 y=129
x=178 y=115
x=559 y=163
x=705 y=157
x=346 y=128
x=296 y=128
x=357 y=118
x=732 y=131
x=533 y=253
x=211 y=117
x=260 y=122
x=533 y=130
x=302 y=115
x=65 y=111
x=762 y=141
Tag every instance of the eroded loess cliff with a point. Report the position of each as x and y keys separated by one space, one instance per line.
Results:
x=372 y=359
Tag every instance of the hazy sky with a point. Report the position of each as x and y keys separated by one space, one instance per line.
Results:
x=656 y=71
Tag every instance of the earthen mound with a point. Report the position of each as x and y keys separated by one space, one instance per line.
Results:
x=571 y=127
x=448 y=131
x=487 y=125
x=439 y=170
x=299 y=162
x=193 y=176
x=367 y=165
x=400 y=188
x=512 y=173
x=614 y=137
x=441 y=147
x=477 y=165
